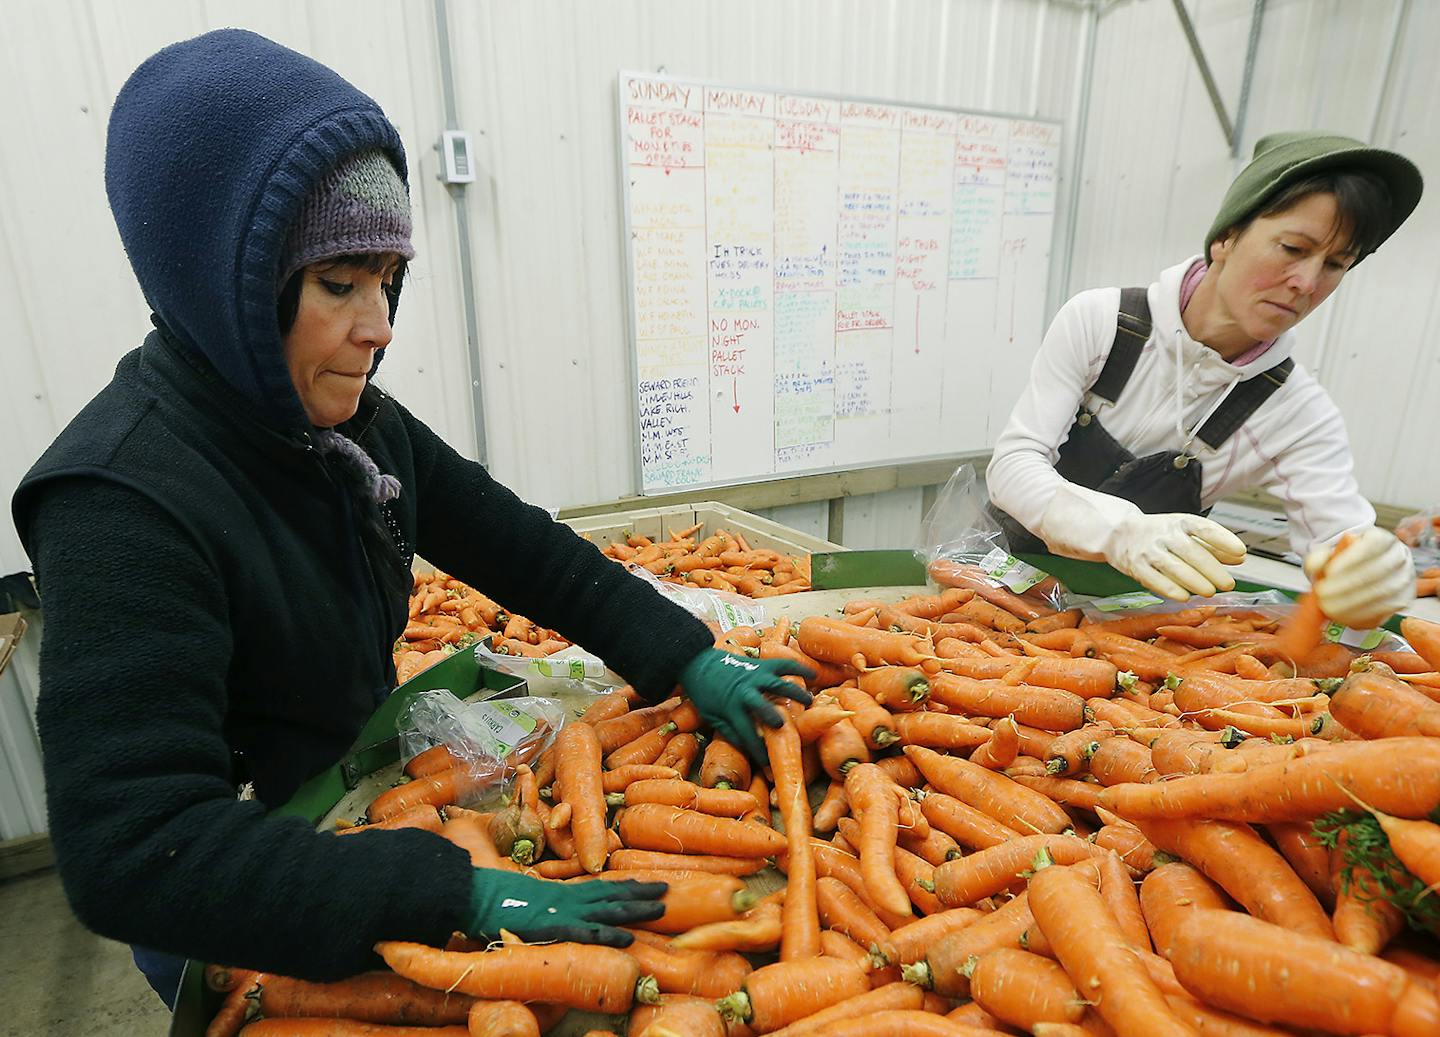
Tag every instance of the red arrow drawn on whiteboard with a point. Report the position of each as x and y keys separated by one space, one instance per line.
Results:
x=735 y=393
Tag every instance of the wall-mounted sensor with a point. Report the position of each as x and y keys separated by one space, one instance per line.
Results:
x=459 y=160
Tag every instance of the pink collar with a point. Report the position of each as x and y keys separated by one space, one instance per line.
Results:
x=1188 y=284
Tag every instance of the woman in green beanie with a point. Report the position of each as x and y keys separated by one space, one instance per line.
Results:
x=1145 y=406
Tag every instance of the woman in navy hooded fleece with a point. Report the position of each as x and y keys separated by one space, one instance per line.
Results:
x=223 y=535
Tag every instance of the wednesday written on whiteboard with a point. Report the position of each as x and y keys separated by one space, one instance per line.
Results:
x=823 y=283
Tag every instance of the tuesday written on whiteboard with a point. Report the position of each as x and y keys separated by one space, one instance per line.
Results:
x=820 y=282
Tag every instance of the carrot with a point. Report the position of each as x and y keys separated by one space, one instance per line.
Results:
x=1118 y=890
x=872 y=720
x=680 y=753
x=1088 y=678
x=761 y=792
x=939 y=731
x=503 y=1019
x=1130 y=844
x=620 y=778
x=654 y=826
x=1245 y=866
x=592 y=978
x=938 y=966
x=984 y=873
x=424 y=817
x=440 y=789
x=963 y=823
x=800 y=927
x=780 y=994
x=699 y=973
x=813 y=722
x=1363 y=920
x=833 y=807
x=631 y=860
x=724 y=766
x=1002 y=748
x=758 y=930
x=872 y=796
x=837 y=945
x=901 y=771
x=646 y=749
x=1046 y=708
x=834 y=641
x=432 y=761
x=1023 y=989
x=627 y=727
x=1168 y=893
x=1011 y=804
x=1297 y=980
x=235 y=1008
x=1305 y=853
x=677 y=793
x=896 y=687
x=832 y=861
x=1298 y=789
x=1069 y=753
x=314 y=1027
x=841 y=910
x=1423 y=636
x=913 y=939
x=577 y=771
x=842 y=747
x=1147 y=625
x=1067 y=792
x=1415 y=843
x=916 y=872
x=887 y=998
x=1376 y=706
x=676 y=1015
x=1117 y=760
x=1093 y=950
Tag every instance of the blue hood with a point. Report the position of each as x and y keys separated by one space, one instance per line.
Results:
x=213 y=145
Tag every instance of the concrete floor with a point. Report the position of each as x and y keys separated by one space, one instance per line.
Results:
x=56 y=977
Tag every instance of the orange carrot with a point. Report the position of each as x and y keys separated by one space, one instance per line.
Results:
x=1117 y=760
x=841 y=747
x=1118 y=890
x=780 y=994
x=654 y=826
x=677 y=1015
x=317 y=1027
x=625 y=728
x=1047 y=708
x=813 y=722
x=503 y=1019
x=967 y=826
x=1011 y=804
x=758 y=930
x=631 y=860
x=984 y=873
x=1002 y=748
x=1244 y=865
x=761 y=793
x=1297 y=980
x=432 y=761
x=940 y=731
x=1131 y=846
x=1069 y=754
x=872 y=720
x=834 y=862
x=912 y=940
x=707 y=974
x=800 y=927
x=901 y=771
x=440 y=789
x=595 y=979
x=618 y=779
x=1424 y=637
x=1297 y=843
x=678 y=793
x=835 y=641
x=1299 y=789
x=841 y=910
x=724 y=766
x=939 y=965
x=1093 y=950
x=1364 y=921
x=1023 y=989
x=897 y=688
x=646 y=749
x=424 y=817
x=833 y=807
x=887 y=998
x=872 y=796
x=1376 y=706
x=577 y=771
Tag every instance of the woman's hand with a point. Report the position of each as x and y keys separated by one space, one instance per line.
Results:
x=729 y=691
x=1365 y=584
x=537 y=910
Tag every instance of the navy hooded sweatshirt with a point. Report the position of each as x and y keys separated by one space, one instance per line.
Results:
x=209 y=615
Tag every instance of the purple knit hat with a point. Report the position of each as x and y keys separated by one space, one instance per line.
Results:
x=359 y=207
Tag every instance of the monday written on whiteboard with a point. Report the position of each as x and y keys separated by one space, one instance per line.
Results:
x=822 y=282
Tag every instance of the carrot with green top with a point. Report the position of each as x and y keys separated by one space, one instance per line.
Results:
x=1047 y=708
x=724 y=766
x=780 y=994
x=619 y=730
x=842 y=747
x=898 y=688
x=1069 y=754
x=654 y=826
x=873 y=721
x=1363 y=919
x=677 y=793
x=709 y=974
x=887 y=998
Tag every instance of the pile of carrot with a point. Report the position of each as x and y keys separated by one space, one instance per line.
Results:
x=994 y=818
x=447 y=614
x=723 y=561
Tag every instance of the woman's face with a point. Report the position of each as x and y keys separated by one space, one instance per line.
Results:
x=342 y=319
x=1281 y=267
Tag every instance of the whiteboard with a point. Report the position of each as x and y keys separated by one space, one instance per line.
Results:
x=819 y=282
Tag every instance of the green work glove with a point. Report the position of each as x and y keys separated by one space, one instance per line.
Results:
x=729 y=691
x=537 y=910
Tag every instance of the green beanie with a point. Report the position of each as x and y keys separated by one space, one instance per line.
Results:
x=1282 y=158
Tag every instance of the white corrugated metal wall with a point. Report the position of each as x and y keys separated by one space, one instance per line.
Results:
x=534 y=83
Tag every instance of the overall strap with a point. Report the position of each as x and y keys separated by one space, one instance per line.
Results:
x=1243 y=400
x=1132 y=331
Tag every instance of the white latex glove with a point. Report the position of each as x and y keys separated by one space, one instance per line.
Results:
x=1173 y=555
x=1365 y=584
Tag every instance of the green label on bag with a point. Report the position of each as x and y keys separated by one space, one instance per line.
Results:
x=508 y=725
x=1017 y=575
x=572 y=668
x=1365 y=640
x=1121 y=602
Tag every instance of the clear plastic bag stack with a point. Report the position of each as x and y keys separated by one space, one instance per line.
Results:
x=490 y=738
x=721 y=609
x=961 y=545
x=570 y=671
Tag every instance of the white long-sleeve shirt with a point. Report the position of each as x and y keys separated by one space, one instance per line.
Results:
x=1294 y=445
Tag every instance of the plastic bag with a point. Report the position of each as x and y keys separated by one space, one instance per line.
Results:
x=1421 y=531
x=571 y=670
x=491 y=736
x=1268 y=603
x=962 y=545
x=723 y=608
